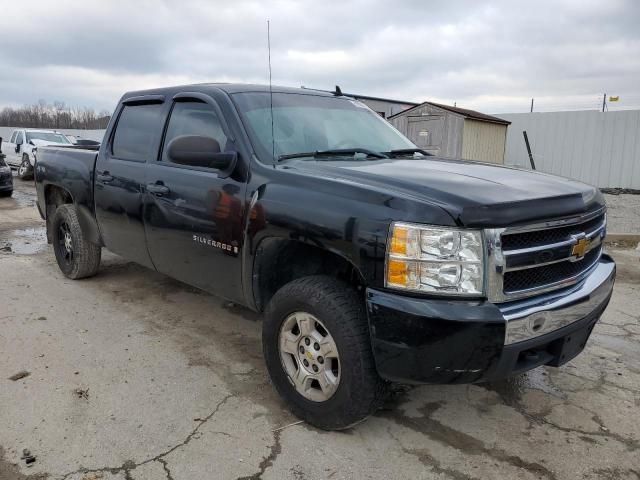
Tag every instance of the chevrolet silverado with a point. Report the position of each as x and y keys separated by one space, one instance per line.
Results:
x=372 y=261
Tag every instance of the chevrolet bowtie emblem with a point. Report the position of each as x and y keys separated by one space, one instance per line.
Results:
x=580 y=248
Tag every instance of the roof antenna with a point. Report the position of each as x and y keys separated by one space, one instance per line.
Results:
x=338 y=92
x=273 y=140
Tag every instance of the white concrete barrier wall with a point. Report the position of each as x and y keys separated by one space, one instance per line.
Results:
x=602 y=149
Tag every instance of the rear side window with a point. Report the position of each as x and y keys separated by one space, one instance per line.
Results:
x=193 y=118
x=136 y=135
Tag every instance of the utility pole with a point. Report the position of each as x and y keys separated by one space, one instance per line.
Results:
x=532 y=105
x=604 y=102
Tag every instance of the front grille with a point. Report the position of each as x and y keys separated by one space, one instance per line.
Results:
x=530 y=260
x=516 y=241
x=537 y=277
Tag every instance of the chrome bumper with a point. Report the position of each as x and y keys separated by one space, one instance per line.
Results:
x=531 y=318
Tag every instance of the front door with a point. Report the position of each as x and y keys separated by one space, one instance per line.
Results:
x=427 y=132
x=194 y=218
x=120 y=179
x=13 y=148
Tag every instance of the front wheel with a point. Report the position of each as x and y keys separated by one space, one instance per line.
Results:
x=25 y=170
x=76 y=256
x=317 y=348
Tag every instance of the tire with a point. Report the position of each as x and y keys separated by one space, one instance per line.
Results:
x=25 y=170
x=76 y=256
x=7 y=193
x=334 y=308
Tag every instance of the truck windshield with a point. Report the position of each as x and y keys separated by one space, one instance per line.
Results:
x=47 y=137
x=314 y=123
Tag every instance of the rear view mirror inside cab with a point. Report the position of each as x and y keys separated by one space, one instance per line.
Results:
x=202 y=152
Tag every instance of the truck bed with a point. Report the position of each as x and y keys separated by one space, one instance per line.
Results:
x=71 y=168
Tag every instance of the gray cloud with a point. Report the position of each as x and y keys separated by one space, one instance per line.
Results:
x=491 y=56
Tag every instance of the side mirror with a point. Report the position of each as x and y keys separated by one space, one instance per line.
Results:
x=203 y=152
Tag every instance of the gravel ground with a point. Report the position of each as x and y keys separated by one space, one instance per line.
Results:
x=133 y=376
x=623 y=214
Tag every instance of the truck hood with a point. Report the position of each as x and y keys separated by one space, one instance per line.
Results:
x=474 y=194
x=43 y=143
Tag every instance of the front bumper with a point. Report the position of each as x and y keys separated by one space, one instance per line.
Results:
x=418 y=340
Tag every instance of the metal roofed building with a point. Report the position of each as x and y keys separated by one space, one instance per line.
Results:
x=385 y=107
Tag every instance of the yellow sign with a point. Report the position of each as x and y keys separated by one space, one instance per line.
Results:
x=580 y=248
x=614 y=99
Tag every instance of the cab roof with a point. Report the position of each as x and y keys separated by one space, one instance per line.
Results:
x=229 y=88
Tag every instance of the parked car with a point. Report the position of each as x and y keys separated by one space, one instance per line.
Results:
x=372 y=262
x=6 y=177
x=22 y=144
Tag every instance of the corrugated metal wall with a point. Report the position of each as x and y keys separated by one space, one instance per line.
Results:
x=483 y=141
x=602 y=149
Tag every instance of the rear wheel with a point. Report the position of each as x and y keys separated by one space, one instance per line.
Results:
x=318 y=352
x=25 y=170
x=76 y=257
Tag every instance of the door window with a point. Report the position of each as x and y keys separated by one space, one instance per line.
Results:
x=193 y=118
x=13 y=137
x=19 y=138
x=137 y=132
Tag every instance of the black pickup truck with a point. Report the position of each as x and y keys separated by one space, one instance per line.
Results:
x=372 y=261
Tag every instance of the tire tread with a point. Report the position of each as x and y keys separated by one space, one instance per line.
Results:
x=337 y=300
x=87 y=255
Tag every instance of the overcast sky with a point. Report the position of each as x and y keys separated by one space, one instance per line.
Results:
x=491 y=56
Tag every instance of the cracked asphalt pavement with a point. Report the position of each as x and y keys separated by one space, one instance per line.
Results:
x=133 y=376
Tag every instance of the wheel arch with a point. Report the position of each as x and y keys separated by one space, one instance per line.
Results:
x=279 y=261
x=56 y=195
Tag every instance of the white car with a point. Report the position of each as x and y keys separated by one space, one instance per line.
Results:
x=22 y=143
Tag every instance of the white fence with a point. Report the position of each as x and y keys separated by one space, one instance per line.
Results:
x=5 y=133
x=602 y=149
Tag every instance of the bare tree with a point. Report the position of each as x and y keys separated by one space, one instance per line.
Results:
x=58 y=115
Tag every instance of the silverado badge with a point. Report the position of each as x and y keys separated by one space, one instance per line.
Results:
x=216 y=244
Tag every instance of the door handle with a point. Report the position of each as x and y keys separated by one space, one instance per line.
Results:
x=104 y=176
x=157 y=189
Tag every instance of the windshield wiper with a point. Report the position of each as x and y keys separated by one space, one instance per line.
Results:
x=341 y=152
x=407 y=151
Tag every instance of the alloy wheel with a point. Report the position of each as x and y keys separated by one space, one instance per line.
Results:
x=65 y=242
x=309 y=356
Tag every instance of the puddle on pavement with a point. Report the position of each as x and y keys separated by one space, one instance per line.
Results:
x=25 y=241
x=512 y=389
x=20 y=198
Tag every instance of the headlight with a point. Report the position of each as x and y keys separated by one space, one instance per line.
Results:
x=435 y=259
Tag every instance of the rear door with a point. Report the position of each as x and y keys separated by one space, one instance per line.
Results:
x=120 y=177
x=193 y=216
